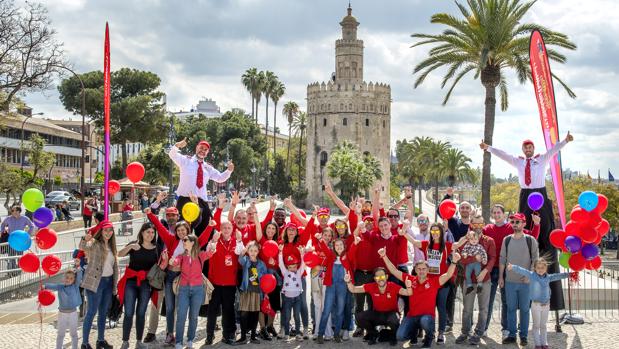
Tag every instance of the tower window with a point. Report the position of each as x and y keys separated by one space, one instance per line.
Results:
x=324 y=122
x=384 y=123
x=367 y=122
x=323 y=158
x=345 y=122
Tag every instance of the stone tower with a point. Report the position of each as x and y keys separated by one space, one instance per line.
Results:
x=347 y=108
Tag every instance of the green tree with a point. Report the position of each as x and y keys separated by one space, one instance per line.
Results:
x=489 y=39
x=278 y=91
x=40 y=160
x=354 y=171
x=280 y=181
x=157 y=163
x=137 y=112
x=290 y=110
x=456 y=167
x=250 y=81
x=299 y=126
x=11 y=184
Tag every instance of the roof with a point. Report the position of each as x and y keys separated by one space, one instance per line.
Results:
x=17 y=119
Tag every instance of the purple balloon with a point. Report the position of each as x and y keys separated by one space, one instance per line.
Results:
x=589 y=251
x=573 y=244
x=42 y=217
x=535 y=201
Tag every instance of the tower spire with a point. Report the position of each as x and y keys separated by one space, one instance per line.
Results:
x=349 y=8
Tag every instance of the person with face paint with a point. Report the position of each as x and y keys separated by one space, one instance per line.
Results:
x=532 y=178
x=195 y=174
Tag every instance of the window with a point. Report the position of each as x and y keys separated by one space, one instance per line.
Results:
x=341 y=106
x=323 y=158
x=350 y=107
x=367 y=122
x=324 y=122
x=345 y=122
x=384 y=123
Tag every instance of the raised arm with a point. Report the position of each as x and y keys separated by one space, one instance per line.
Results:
x=293 y=209
x=336 y=200
x=558 y=276
x=406 y=231
x=519 y=270
x=233 y=203
x=510 y=159
x=455 y=257
x=165 y=234
x=258 y=229
x=555 y=149
x=217 y=176
x=174 y=154
x=352 y=288
x=204 y=238
x=390 y=267
x=269 y=215
x=408 y=290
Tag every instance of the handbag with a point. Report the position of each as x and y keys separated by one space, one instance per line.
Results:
x=156 y=275
x=208 y=287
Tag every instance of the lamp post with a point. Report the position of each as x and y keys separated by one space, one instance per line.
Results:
x=21 y=145
x=268 y=179
x=253 y=180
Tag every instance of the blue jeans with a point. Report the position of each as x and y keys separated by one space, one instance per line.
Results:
x=335 y=302
x=410 y=327
x=347 y=325
x=441 y=305
x=517 y=295
x=289 y=305
x=170 y=300
x=98 y=303
x=304 y=310
x=190 y=299
x=133 y=295
x=494 y=279
x=474 y=267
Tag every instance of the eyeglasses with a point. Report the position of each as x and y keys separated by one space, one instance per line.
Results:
x=422 y=221
x=515 y=222
x=340 y=226
x=394 y=216
x=323 y=216
x=435 y=230
x=380 y=277
x=477 y=225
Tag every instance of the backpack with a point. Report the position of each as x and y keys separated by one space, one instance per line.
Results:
x=529 y=243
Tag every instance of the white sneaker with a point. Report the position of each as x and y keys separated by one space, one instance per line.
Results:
x=190 y=345
x=178 y=346
x=505 y=334
x=305 y=333
x=345 y=335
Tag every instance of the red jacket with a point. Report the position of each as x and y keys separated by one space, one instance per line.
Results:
x=323 y=248
x=169 y=238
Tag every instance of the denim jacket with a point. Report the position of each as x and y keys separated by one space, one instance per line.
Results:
x=68 y=295
x=245 y=262
x=539 y=288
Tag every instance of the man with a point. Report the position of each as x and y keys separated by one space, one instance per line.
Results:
x=194 y=176
x=365 y=263
x=498 y=231
x=517 y=249
x=487 y=243
x=423 y=234
x=422 y=302
x=10 y=224
x=384 y=311
x=532 y=178
x=279 y=217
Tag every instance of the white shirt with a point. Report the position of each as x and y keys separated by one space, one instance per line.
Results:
x=538 y=165
x=188 y=177
x=419 y=256
x=108 y=265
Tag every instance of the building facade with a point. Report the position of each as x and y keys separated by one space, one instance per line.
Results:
x=205 y=106
x=347 y=108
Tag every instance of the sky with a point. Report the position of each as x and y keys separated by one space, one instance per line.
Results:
x=200 y=48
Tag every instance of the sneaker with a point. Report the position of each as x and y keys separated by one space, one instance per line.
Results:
x=474 y=340
x=229 y=341
x=469 y=289
x=209 y=340
x=103 y=345
x=509 y=340
x=337 y=339
x=504 y=334
x=241 y=341
x=281 y=335
x=345 y=335
x=271 y=331
x=358 y=332
x=254 y=340
x=461 y=338
x=305 y=333
x=86 y=346
x=328 y=338
x=170 y=340
x=125 y=345
x=320 y=340
x=299 y=337
x=150 y=337
x=440 y=339
x=427 y=343
x=523 y=342
x=448 y=329
x=189 y=345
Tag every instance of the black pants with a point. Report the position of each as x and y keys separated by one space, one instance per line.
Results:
x=361 y=299
x=369 y=319
x=87 y=221
x=222 y=298
x=547 y=225
x=249 y=323
x=200 y=224
x=451 y=303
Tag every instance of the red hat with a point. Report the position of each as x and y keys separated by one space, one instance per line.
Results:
x=172 y=210
x=368 y=218
x=105 y=224
x=324 y=211
x=527 y=141
x=205 y=143
x=518 y=216
x=290 y=225
x=291 y=260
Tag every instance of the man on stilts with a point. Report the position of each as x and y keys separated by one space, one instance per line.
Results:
x=532 y=178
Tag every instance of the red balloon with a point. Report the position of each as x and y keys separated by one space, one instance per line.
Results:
x=29 y=263
x=578 y=214
x=295 y=220
x=572 y=228
x=46 y=238
x=602 y=204
x=577 y=262
x=594 y=264
x=603 y=227
x=113 y=187
x=46 y=297
x=598 y=240
x=311 y=259
x=51 y=264
x=557 y=238
x=270 y=249
x=588 y=234
x=268 y=283
x=135 y=171
x=593 y=218
x=447 y=209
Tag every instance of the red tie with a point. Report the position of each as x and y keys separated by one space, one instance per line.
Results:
x=527 y=172
x=200 y=176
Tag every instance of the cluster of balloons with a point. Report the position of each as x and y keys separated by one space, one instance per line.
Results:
x=583 y=233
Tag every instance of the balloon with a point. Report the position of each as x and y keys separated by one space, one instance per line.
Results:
x=573 y=244
x=51 y=264
x=588 y=234
x=311 y=259
x=572 y=228
x=578 y=215
x=594 y=264
x=46 y=297
x=29 y=262
x=557 y=238
x=564 y=259
x=447 y=209
x=32 y=199
x=190 y=212
x=602 y=204
x=603 y=227
x=589 y=251
x=42 y=217
x=46 y=238
x=577 y=262
x=588 y=200
x=270 y=249
x=135 y=171
x=535 y=201
x=295 y=220
x=268 y=283
x=113 y=187
x=593 y=219
x=19 y=240
x=598 y=240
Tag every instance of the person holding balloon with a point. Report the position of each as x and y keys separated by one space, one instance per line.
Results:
x=292 y=268
x=15 y=222
x=268 y=254
x=250 y=296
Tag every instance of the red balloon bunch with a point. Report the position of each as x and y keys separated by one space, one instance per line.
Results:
x=582 y=234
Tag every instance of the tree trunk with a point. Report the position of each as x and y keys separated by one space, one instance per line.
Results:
x=257 y=104
x=490 y=78
x=288 y=154
x=436 y=197
x=252 y=107
x=274 y=129
x=300 y=149
x=124 y=156
x=420 y=198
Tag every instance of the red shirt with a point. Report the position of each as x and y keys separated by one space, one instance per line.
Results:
x=364 y=259
x=498 y=234
x=434 y=254
x=402 y=256
x=224 y=264
x=330 y=257
x=392 y=245
x=383 y=302
x=191 y=268
x=169 y=237
x=423 y=299
x=248 y=232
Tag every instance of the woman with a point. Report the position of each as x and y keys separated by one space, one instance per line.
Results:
x=343 y=232
x=127 y=215
x=134 y=288
x=266 y=322
x=99 y=280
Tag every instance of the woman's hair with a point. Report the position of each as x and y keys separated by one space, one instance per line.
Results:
x=111 y=242
x=264 y=232
x=285 y=236
x=145 y=227
x=442 y=230
x=346 y=233
x=182 y=224
x=195 y=249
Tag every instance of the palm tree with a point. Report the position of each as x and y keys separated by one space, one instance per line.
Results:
x=299 y=124
x=257 y=92
x=270 y=80
x=489 y=39
x=290 y=109
x=250 y=80
x=432 y=153
x=456 y=167
x=278 y=91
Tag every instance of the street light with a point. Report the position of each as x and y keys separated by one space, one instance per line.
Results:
x=268 y=179
x=21 y=145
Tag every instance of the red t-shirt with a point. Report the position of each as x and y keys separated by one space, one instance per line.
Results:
x=392 y=245
x=383 y=302
x=402 y=257
x=365 y=257
x=432 y=257
x=423 y=299
x=224 y=264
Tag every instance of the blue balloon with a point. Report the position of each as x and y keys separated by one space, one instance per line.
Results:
x=588 y=200
x=19 y=240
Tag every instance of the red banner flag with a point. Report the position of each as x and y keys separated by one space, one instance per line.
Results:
x=544 y=92
x=106 y=122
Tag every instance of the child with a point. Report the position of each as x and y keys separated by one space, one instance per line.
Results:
x=68 y=301
x=473 y=249
x=250 y=295
x=58 y=213
x=539 y=293
x=291 y=290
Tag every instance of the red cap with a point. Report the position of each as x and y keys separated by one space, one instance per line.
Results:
x=172 y=210
x=205 y=143
x=518 y=216
x=291 y=260
x=368 y=218
x=527 y=141
x=290 y=225
x=324 y=211
x=106 y=224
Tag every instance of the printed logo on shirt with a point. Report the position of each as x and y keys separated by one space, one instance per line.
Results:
x=434 y=261
x=253 y=276
x=228 y=260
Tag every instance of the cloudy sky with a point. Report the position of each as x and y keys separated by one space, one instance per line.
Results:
x=202 y=47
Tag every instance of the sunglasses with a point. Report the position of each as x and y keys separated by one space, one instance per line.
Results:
x=435 y=230
x=340 y=226
x=477 y=225
x=368 y=221
x=323 y=216
x=394 y=216
x=422 y=221
x=380 y=278
x=515 y=222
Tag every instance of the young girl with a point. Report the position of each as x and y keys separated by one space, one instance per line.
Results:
x=250 y=294
x=292 y=290
x=321 y=244
x=191 y=290
x=539 y=293
x=68 y=301
x=266 y=322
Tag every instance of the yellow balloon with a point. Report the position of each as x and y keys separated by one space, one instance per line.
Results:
x=191 y=212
